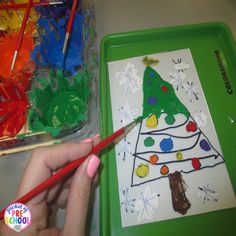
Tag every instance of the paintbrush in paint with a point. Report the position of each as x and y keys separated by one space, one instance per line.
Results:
x=69 y=26
x=72 y=166
x=24 y=5
x=21 y=34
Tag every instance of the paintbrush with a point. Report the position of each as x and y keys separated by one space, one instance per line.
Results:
x=21 y=34
x=69 y=26
x=74 y=164
x=24 y=5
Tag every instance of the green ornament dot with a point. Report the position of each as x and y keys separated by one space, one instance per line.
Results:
x=149 y=141
x=170 y=120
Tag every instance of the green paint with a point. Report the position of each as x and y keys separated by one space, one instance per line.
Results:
x=166 y=100
x=149 y=141
x=59 y=103
x=64 y=109
x=169 y=120
x=21 y=137
x=57 y=142
x=138 y=119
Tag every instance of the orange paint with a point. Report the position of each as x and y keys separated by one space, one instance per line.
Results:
x=23 y=77
x=7 y=45
x=164 y=170
x=153 y=159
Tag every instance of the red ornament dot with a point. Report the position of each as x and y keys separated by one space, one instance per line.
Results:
x=164 y=88
x=196 y=163
x=191 y=126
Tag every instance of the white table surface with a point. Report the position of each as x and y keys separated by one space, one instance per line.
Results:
x=119 y=16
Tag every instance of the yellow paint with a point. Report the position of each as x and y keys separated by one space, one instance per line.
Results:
x=11 y=20
x=151 y=121
x=179 y=156
x=142 y=170
x=148 y=61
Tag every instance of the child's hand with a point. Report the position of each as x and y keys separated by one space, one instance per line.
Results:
x=73 y=191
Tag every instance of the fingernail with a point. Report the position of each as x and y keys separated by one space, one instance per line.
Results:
x=95 y=136
x=93 y=165
x=87 y=140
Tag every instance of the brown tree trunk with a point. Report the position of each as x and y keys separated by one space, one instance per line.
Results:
x=179 y=200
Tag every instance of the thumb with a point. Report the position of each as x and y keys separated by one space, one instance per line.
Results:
x=78 y=198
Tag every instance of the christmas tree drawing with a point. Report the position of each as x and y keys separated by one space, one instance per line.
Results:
x=169 y=144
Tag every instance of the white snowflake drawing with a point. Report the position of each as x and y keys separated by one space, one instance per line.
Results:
x=177 y=79
x=191 y=89
x=127 y=202
x=124 y=149
x=126 y=114
x=206 y=193
x=200 y=118
x=146 y=202
x=129 y=78
x=180 y=66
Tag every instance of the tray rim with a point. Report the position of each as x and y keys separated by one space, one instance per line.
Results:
x=106 y=125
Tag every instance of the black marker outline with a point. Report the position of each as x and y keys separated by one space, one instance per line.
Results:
x=136 y=154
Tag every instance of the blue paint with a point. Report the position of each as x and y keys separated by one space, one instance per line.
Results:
x=152 y=100
x=166 y=145
x=152 y=74
x=205 y=145
x=49 y=51
x=55 y=11
x=150 y=82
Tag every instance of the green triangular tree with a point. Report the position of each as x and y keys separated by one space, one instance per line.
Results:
x=160 y=97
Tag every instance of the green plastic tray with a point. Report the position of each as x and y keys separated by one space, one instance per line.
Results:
x=220 y=91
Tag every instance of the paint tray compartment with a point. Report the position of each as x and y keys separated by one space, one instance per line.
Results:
x=49 y=97
x=213 y=50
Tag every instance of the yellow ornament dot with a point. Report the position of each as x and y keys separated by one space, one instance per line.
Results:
x=142 y=170
x=152 y=121
x=179 y=156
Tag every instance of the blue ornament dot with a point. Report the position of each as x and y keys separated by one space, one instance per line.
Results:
x=152 y=100
x=205 y=145
x=166 y=145
x=152 y=74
